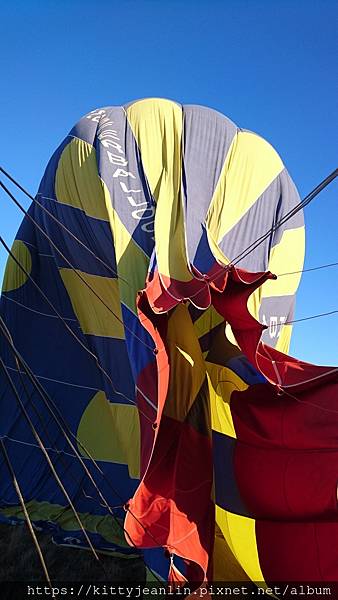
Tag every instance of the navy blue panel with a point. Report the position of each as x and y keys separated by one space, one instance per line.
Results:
x=244 y=369
x=204 y=259
x=94 y=233
x=226 y=491
x=137 y=337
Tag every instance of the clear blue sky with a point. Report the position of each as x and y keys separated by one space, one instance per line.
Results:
x=267 y=64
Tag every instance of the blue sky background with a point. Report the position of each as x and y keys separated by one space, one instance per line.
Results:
x=267 y=64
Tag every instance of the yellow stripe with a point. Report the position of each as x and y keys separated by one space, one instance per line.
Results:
x=92 y=314
x=77 y=182
x=132 y=262
x=286 y=256
x=239 y=533
x=208 y=320
x=222 y=382
x=250 y=167
x=187 y=364
x=284 y=340
x=118 y=439
x=225 y=566
x=14 y=276
x=157 y=127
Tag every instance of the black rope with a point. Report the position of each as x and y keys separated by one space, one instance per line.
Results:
x=241 y=256
x=24 y=510
x=99 y=366
x=324 y=314
x=62 y=225
x=45 y=453
x=276 y=226
x=44 y=425
x=308 y=270
x=78 y=274
x=42 y=392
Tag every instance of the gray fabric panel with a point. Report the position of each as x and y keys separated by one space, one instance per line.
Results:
x=207 y=136
x=129 y=190
x=274 y=311
x=289 y=198
x=280 y=197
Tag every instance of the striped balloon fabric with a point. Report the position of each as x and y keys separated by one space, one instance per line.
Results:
x=142 y=294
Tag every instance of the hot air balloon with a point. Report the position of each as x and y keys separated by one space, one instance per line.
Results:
x=146 y=311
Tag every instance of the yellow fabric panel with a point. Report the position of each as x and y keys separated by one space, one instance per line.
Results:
x=157 y=127
x=284 y=340
x=207 y=321
x=92 y=314
x=230 y=336
x=77 y=182
x=222 y=382
x=64 y=516
x=111 y=432
x=132 y=263
x=285 y=257
x=14 y=276
x=187 y=371
x=250 y=166
x=225 y=566
x=239 y=533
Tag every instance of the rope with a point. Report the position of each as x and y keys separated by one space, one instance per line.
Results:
x=331 y=312
x=45 y=453
x=64 y=227
x=283 y=220
x=241 y=256
x=25 y=511
x=38 y=386
x=78 y=274
x=28 y=275
x=308 y=270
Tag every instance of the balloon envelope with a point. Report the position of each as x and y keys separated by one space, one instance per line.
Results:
x=121 y=314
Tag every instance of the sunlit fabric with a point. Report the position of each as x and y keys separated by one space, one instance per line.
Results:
x=170 y=365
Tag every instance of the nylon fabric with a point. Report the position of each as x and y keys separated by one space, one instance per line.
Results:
x=188 y=427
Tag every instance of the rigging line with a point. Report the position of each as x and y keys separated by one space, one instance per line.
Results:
x=328 y=410
x=76 y=271
x=66 y=467
x=44 y=425
x=7 y=334
x=39 y=387
x=37 y=384
x=298 y=207
x=50 y=214
x=46 y=398
x=47 y=457
x=281 y=324
x=99 y=366
x=331 y=312
x=288 y=215
x=25 y=511
x=274 y=227
x=310 y=269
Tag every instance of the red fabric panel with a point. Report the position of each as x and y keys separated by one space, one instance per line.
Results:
x=172 y=506
x=286 y=485
x=285 y=458
x=298 y=551
x=174 y=501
